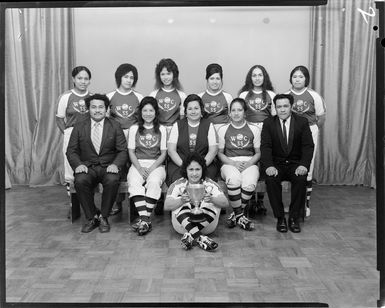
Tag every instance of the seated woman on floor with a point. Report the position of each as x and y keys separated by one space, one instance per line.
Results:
x=178 y=201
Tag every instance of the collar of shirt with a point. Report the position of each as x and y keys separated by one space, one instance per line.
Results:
x=287 y=123
x=94 y=122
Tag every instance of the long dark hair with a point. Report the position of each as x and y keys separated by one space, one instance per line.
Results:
x=170 y=66
x=148 y=100
x=249 y=86
x=194 y=156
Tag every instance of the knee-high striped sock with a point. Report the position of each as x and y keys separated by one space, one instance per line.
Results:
x=246 y=196
x=140 y=205
x=192 y=227
x=309 y=189
x=234 y=196
x=150 y=204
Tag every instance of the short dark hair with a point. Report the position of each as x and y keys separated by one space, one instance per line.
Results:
x=212 y=69
x=239 y=100
x=122 y=70
x=101 y=97
x=78 y=69
x=304 y=71
x=194 y=156
x=284 y=96
x=191 y=98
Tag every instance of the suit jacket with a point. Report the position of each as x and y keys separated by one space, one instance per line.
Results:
x=113 y=148
x=274 y=150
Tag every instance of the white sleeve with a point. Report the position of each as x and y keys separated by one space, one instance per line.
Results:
x=319 y=103
x=201 y=94
x=228 y=98
x=153 y=93
x=62 y=105
x=163 y=138
x=272 y=95
x=182 y=96
x=139 y=96
x=131 y=137
x=221 y=136
x=110 y=95
x=173 y=138
x=243 y=94
x=257 y=135
x=212 y=135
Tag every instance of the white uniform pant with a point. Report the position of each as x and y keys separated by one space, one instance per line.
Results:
x=246 y=179
x=154 y=181
x=314 y=132
x=68 y=172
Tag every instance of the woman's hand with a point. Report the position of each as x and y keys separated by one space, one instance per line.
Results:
x=185 y=198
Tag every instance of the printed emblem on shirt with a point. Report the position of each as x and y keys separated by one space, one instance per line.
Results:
x=166 y=103
x=257 y=104
x=301 y=106
x=240 y=141
x=213 y=107
x=193 y=140
x=125 y=111
x=148 y=140
x=80 y=106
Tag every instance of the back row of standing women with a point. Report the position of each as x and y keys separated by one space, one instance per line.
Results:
x=257 y=92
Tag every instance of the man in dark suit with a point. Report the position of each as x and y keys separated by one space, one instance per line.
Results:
x=286 y=152
x=97 y=150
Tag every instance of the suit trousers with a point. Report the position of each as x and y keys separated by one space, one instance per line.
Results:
x=85 y=184
x=298 y=190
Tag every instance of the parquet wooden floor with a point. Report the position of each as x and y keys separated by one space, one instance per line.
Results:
x=333 y=259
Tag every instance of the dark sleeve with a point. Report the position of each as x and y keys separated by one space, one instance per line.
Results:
x=73 y=148
x=307 y=147
x=266 y=145
x=120 y=146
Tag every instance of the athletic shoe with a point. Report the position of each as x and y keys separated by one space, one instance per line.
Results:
x=307 y=208
x=144 y=227
x=136 y=224
x=245 y=223
x=187 y=241
x=230 y=221
x=206 y=243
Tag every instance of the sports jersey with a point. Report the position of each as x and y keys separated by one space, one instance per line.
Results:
x=170 y=104
x=258 y=110
x=123 y=107
x=239 y=141
x=72 y=107
x=308 y=104
x=149 y=144
x=217 y=106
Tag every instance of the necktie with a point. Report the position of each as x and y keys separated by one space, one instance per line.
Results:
x=96 y=137
x=284 y=130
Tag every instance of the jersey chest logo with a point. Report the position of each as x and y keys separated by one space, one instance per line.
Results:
x=80 y=106
x=148 y=140
x=257 y=104
x=240 y=141
x=193 y=139
x=166 y=104
x=301 y=106
x=124 y=111
x=213 y=107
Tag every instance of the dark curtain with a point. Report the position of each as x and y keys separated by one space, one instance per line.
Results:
x=39 y=56
x=342 y=67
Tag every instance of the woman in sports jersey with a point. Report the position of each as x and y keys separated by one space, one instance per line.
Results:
x=192 y=133
x=258 y=92
x=168 y=93
x=239 y=151
x=178 y=201
x=123 y=104
x=71 y=109
x=309 y=104
x=147 y=150
x=215 y=100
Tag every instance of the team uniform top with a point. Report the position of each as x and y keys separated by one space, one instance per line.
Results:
x=258 y=110
x=192 y=134
x=179 y=187
x=217 y=106
x=170 y=104
x=309 y=104
x=149 y=144
x=72 y=107
x=123 y=107
x=239 y=141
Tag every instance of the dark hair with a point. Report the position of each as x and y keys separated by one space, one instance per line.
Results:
x=239 y=100
x=122 y=70
x=78 y=69
x=249 y=86
x=171 y=66
x=213 y=68
x=284 y=96
x=101 y=97
x=304 y=71
x=191 y=98
x=148 y=100
x=194 y=156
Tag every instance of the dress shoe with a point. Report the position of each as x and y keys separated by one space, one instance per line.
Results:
x=282 y=225
x=90 y=225
x=117 y=208
x=104 y=226
x=294 y=225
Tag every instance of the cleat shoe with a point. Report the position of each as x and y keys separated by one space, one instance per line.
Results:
x=206 y=243
x=245 y=223
x=136 y=224
x=260 y=210
x=187 y=241
x=307 y=209
x=230 y=221
x=144 y=227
